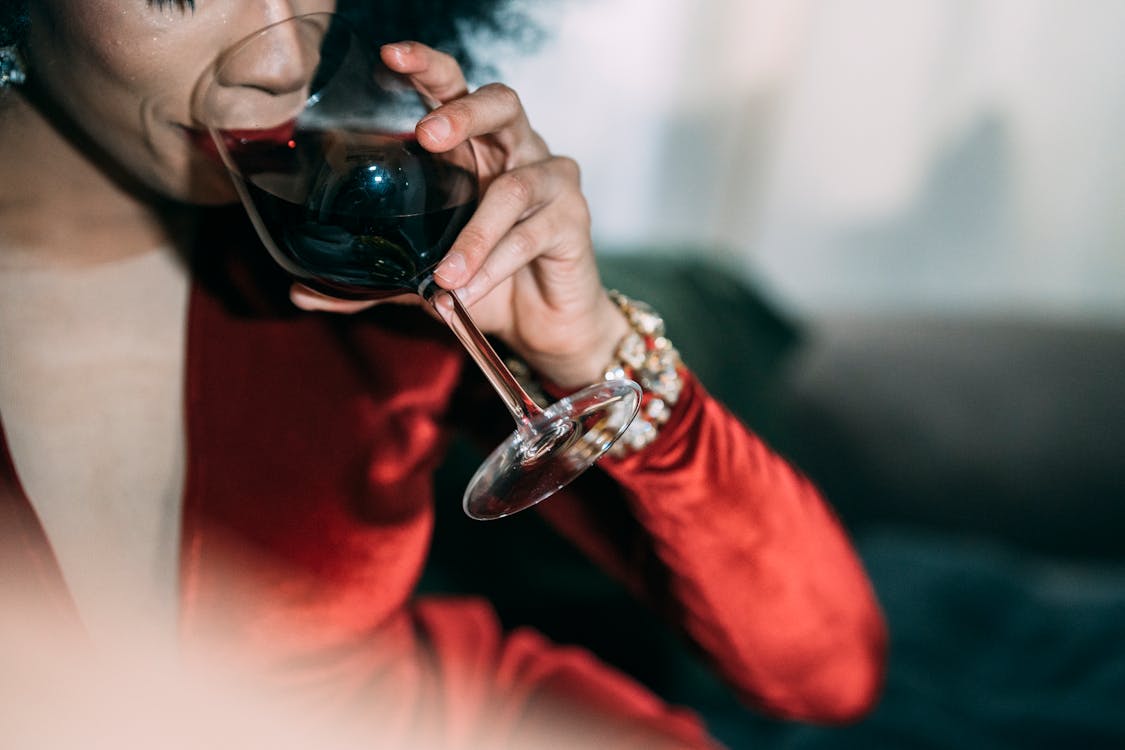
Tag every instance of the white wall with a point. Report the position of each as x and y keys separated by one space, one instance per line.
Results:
x=934 y=155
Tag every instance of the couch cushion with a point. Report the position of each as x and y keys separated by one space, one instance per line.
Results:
x=1014 y=429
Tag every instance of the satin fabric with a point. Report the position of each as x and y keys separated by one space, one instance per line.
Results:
x=307 y=515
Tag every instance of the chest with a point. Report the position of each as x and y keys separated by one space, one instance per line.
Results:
x=297 y=450
x=91 y=383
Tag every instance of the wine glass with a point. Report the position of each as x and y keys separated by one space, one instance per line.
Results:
x=318 y=136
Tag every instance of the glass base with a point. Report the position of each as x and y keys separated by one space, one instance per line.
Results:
x=563 y=441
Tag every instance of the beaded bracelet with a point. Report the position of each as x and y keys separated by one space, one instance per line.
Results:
x=645 y=356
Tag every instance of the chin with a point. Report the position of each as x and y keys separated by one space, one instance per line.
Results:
x=221 y=193
x=185 y=169
x=200 y=184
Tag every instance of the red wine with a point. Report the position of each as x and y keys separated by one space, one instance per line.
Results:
x=355 y=215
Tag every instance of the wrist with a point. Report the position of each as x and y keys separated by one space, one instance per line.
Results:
x=586 y=363
x=643 y=355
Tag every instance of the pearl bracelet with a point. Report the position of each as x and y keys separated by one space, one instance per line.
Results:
x=645 y=356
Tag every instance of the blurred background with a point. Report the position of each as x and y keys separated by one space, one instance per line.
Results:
x=929 y=194
x=890 y=236
x=929 y=155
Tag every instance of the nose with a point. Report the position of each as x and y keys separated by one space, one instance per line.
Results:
x=278 y=60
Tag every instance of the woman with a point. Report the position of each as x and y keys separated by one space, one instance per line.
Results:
x=197 y=454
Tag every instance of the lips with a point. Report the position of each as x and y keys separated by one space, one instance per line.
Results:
x=251 y=150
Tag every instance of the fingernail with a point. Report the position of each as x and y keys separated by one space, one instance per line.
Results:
x=436 y=126
x=451 y=269
x=399 y=48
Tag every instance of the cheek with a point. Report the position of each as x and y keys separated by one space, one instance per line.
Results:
x=97 y=36
x=124 y=78
x=107 y=54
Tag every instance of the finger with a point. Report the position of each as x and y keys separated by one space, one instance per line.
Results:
x=437 y=72
x=511 y=198
x=550 y=234
x=534 y=239
x=494 y=110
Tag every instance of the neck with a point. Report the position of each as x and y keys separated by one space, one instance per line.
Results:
x=57 y=208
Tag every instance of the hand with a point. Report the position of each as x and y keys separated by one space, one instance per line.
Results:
x=524 y=263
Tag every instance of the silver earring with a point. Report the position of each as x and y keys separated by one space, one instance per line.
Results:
x=11 y=67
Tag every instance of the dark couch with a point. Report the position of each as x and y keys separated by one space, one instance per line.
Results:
x=980 y=466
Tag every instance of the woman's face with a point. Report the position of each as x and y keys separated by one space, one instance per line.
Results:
x=123 y=71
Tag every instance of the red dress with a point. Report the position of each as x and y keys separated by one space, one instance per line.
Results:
x=311 y=443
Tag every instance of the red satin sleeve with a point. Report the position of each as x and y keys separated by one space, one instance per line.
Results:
x=743 y=551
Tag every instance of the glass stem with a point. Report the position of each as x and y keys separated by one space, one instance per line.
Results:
x=522 y=407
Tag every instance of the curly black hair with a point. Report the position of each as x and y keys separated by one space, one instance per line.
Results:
x=445 y=24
